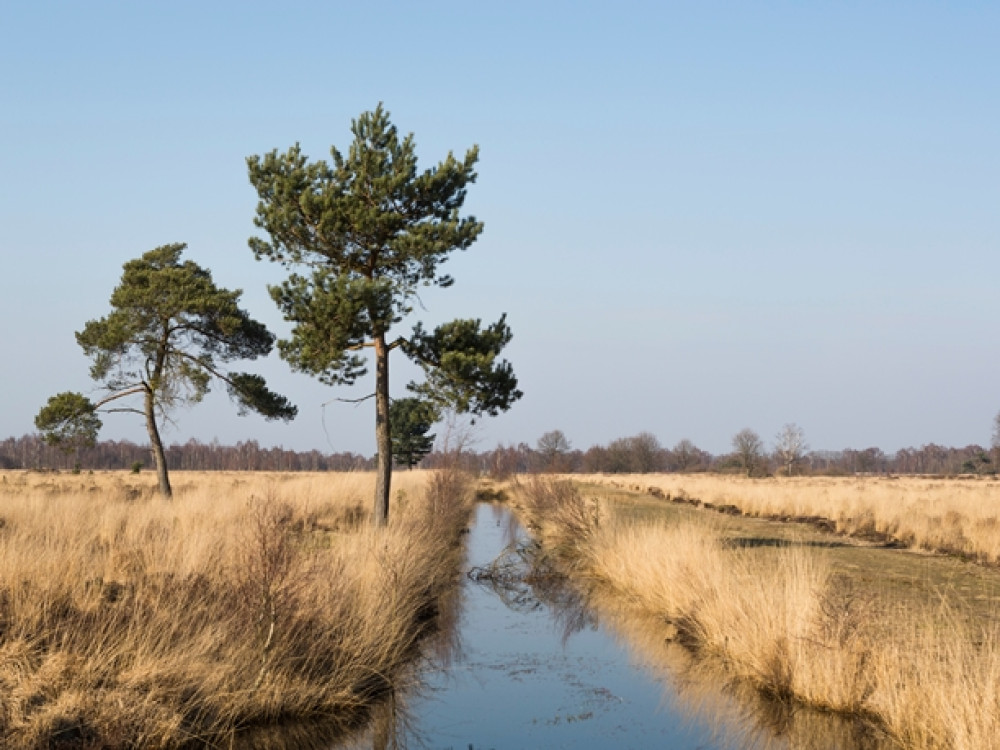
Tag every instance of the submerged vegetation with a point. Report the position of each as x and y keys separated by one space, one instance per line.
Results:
x=249 y=602
x=779 y=618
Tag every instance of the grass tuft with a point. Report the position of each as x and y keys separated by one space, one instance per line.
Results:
x=247 y=603
x=783 y=622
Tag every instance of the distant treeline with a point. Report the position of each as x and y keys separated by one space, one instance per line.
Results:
x=30 y=452
x=639 y=454
x=643 y=454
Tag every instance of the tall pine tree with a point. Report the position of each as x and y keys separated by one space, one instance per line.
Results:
x=360 y=237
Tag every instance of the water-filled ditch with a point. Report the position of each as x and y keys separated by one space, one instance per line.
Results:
x=531 y=666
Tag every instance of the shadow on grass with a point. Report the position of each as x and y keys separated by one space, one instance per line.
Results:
x=753 y=542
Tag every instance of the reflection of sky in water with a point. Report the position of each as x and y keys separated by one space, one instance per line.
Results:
x=517 y=684
x=517 y=681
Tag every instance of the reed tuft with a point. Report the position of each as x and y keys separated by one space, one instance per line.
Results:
x=248 y=602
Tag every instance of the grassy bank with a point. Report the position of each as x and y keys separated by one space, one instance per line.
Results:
x=952 y=516
x=248 y=601
x=782 y=619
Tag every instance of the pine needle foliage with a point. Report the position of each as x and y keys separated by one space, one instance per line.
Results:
x=411 y=420
x=170 y=333
x=361 y=236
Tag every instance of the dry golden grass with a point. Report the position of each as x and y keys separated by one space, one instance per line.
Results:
x=937 y=687
x=954 y=516
x=247 y=601
x=780 y=621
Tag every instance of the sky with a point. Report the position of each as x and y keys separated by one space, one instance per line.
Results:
x=699 y=216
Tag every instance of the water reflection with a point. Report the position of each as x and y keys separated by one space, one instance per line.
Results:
x=532 y=663
x=526 y=581
x=742 y=716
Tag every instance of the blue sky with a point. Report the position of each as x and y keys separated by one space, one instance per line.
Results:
x=699 y=216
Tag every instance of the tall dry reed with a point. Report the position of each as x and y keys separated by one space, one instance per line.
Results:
x=781 y=622
x=248 y=601
x=954 y=516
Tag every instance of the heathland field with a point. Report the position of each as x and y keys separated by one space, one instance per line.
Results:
x=954 y=516
x=248 y=602
x=265 y=610
x=904 y=640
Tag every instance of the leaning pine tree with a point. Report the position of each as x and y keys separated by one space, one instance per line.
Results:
x=170 y=331
x=360 y=237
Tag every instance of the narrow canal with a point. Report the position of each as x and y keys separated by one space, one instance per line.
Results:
x=530 y=667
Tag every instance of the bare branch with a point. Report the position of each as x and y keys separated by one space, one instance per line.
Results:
x=350 y=400
x=121 y=394
x=322 y=415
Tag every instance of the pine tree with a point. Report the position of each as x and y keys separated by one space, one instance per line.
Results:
x=361 y=237
x=169 y=332
x=411 y=420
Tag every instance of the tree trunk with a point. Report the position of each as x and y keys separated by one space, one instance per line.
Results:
x=159 y=459
x=383 y=437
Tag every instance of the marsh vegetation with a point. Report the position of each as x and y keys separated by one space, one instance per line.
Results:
x=953 y=516
x=247 y=603
x=795 y=616
x=268 y=610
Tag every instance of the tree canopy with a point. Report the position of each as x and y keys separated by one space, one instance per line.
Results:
x=361 y=236
x=748 y=450
x=69 y=421
x=552 y=449
x=790 y=446
x=411 y=420
x=169 y=334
